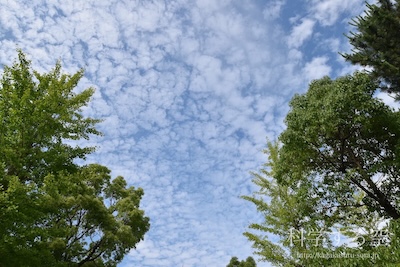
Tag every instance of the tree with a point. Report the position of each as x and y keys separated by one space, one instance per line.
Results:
x=375 y=44
x=296 y=233
x=341 y=133
x=234 y=262
x=54 y=212
x=335 y=168
x=39 y=112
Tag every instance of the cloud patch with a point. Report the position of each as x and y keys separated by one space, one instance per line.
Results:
x=300 y=33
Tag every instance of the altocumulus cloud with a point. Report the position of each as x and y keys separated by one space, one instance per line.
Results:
x=189 y=91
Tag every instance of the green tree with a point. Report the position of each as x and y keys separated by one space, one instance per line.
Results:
x=339 y=132
x=376 y=43
x=249 y=262
x=38 y=113
x=335 y=168
x=234 y=262
x=54 y=212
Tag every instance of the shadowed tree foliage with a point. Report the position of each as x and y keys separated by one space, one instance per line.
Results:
x=54 y=212
x=376 y=43
x=249 y=262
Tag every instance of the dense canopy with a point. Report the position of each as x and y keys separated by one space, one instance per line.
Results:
x=54 y=212
x=376 y=43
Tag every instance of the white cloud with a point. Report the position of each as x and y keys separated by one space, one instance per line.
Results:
x=273 y=9
x=389 y=100
x=327 y=12
x=317 y=68
x=301 y=33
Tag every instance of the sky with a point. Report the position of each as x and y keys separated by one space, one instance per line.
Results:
x=189 y=92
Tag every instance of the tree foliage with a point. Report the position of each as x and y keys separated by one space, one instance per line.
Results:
x=334 y=169
x=39 y=112
x=54 y=212
x=376 y=43
x=249 y=262
x=341 y=134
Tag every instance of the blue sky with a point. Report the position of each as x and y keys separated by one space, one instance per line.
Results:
x=189 y=91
